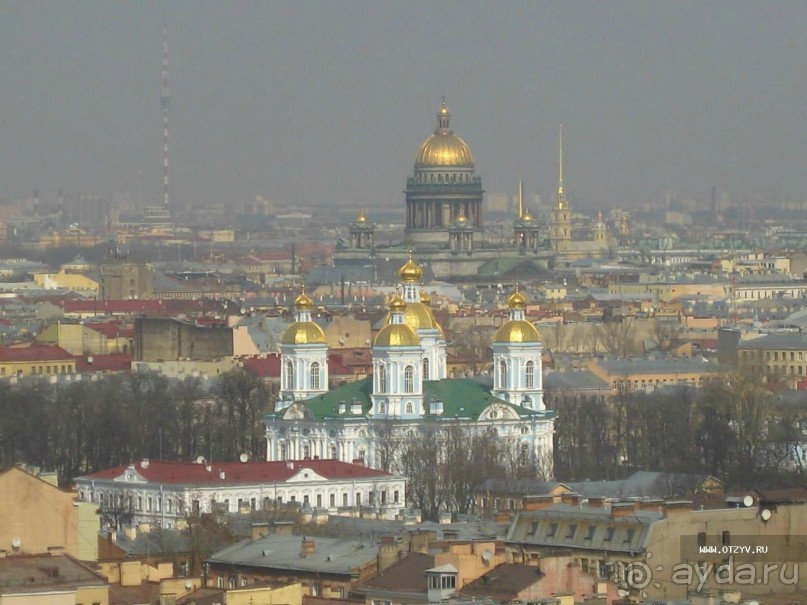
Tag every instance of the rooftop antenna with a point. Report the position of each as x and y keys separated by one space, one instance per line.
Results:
x=165 y=101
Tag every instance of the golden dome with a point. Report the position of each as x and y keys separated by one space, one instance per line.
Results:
x=397 y=304
x=425 y=298
x=444 y=148
x=418 y=316
x=410 y=272
x=396 y=335
x=303 y=333
x=362 y=218
x=517 y=300
x=462 y=218
x=517 y=330
x=303 y=301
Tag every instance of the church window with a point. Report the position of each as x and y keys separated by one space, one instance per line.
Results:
x=524 y=454
x=409 y=408
x=409 y=379
x=289 y=375
x=439 y=178
x=382 y=379
x=530 y=371
x=306 y=452
x=382 y=408
x=334 y=454
x=282 y=451
x=315 y=375
x=425 y=369
x=502 y=374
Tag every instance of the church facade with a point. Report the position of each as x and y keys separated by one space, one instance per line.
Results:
x=409 y=391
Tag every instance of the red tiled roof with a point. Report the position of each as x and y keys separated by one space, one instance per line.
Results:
x=159 y=471
x=110 y=329
x=34 y=352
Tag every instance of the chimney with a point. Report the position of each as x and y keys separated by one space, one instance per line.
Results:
x=259 y=530
x=570 y=499
x=419 y=541
x=531 y=503
x=144 y=463
x=282 y=528
x=308 y=548
x=387 y=552
x=675 y=507
x=622 y=509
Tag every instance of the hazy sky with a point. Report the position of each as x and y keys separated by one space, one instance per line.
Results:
x=329 y=101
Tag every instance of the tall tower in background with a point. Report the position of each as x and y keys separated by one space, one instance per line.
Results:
x=560 y=229
x=165 y=101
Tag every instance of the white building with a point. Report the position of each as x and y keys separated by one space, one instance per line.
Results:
x=164 y=493
x=409 y=390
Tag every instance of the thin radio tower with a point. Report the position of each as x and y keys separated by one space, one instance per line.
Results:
x=165 y=101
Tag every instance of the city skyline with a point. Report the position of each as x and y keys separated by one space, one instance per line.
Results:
x=317 y=103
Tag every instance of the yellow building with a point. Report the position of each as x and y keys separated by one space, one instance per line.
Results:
x=36 y=516
x=88 y=339
x=35 y=360
x=50 y=579
x=628 y=374
x=71 y=281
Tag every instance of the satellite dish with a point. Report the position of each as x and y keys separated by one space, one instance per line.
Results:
x=188 y=585
x=486 y=555
x=765 y=514
x=748 y=501
x=200 y=459
x=243 y=457
x=16 y=543
x=89 y=359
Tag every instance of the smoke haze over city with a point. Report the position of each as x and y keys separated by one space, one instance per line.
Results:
x=314 y=103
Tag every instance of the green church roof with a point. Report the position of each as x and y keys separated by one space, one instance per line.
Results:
x=461 y=397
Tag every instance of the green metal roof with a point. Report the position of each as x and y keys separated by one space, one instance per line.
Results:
x=461 y=397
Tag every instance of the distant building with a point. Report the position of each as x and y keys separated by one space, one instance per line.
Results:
x=122 y=280
x=50 y=578
x=164 y=493
x=35 y=360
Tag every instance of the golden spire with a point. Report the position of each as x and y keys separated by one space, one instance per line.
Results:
x=362 y=218
x=560 y=160
x=303 y=301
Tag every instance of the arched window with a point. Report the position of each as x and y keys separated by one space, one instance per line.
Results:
x=334 y=452
x=409 y=379
x=410 y=409
x=425 y=368
x=502 y=374
x=524 y=454
x=382 y=379
x=306 y=451
x=530 y=374
x=289 y=375
x=315 y=375
x=282 y=452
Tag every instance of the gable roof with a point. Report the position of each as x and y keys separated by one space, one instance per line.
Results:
x=504 y=582
x=405 y=575
x=235 y=473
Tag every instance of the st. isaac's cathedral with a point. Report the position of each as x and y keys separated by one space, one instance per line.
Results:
x=409 y=389
x=445 y=219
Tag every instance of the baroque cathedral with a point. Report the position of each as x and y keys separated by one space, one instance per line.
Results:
x=409 y=389
x=445 y=220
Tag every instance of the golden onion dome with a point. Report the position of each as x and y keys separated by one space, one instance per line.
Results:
x=417 y=316
x=410 y=272
x=396 y=335
x=517 y=300
x=303 y=333
x=303 y=301
x=425 y=298
x=397 y=304
x=517 y=330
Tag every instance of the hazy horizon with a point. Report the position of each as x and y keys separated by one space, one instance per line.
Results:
x=314 y=102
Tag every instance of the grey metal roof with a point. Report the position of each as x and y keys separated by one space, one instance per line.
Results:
x=782 y=340
x=278 y=551
x=582 y=379
x=667 y=365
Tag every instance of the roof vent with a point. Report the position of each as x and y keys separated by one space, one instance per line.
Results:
x=222 y=475
x=144 y=463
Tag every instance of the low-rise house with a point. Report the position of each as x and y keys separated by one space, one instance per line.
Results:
x=164 y=493
x=33 y=359
x=326 y=567
x=50 y=578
